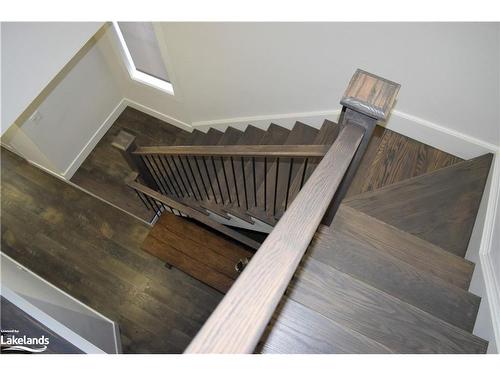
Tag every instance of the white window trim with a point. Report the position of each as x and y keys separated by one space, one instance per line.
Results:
x=135 y=74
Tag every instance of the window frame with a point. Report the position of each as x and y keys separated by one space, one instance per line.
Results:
x=135 y=74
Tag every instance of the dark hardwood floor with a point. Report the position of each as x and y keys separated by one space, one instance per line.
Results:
x=92 y=251
x=104 y=171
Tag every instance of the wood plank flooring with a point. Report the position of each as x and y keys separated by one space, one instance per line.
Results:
x=198 y=251
x=91 y=250
x=104 y=171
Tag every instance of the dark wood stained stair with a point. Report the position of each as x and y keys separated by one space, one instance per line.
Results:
x=390 y=268
x=439 y=207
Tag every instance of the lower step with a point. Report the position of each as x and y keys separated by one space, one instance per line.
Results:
x=379 y=316
x=196 y=250
x=296 y=329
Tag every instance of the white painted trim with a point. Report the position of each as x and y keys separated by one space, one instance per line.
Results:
x=161 y=116
x=287 y=120
x=92 y=142
x=491 y=281
x=441 y=137
x=135 y=74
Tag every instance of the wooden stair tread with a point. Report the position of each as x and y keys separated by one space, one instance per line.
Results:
x=275 y=135
x=197 y=138
x=340 y=248
x=328 y=133
x=186 y=140
x=212 y=137
x=296 y=329
x=391 y=157
x=195 y=250
x=439 y=207
x=405 y=247
x=391 y=322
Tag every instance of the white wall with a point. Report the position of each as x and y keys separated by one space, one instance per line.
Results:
x=32 y=54
x=449 y=72
x=72 y=112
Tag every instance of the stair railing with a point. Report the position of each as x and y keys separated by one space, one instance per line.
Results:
x=208 y=177
x=240 y=319
x=160 y=203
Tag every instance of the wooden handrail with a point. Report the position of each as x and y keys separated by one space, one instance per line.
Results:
x=239 y=320
x=191 y=212
x=238 y=150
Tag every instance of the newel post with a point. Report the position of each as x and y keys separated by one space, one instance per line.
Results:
x=125 y=142
x=367 y=100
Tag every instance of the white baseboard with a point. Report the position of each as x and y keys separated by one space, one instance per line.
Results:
x=115 y=113
x=487 y=250
x=161 y=116
x=422 y=130
x=438 y=136
x=286 y=120
x=92 y=142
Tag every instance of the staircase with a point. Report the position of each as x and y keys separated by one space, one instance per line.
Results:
x=388 y=275
x=243 y=179
x=372 y=269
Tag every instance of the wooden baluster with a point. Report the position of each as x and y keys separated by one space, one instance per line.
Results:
x=142 y=199
x=168 y=173
x=265 y=184
x=155 y=173
x=238 y=199
x=194 y=178
x=209 y=178
x=275 y=192
x=226 y=180
x=164 y=174
x=152 y=202
x=303 y=178
x=175 y=176
x=204 y=179
x=186 y=176
x=242 y=167
x=254 y=182
x=178 y=176
x=289 y=182
x=217 y=179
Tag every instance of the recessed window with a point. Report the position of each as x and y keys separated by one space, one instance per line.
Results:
x=142 y=54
